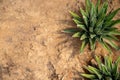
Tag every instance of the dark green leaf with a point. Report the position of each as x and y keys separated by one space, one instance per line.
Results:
x=97 y=6
x=111 y=15
x=84 y=15
x=110 y=37
x=71 y=30
x=92 y=43
x=88 y=6
x=111 y=23
x=92 y=17
x=105 y=45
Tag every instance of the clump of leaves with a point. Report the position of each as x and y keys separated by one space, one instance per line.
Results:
x=104 y=71
x=96 y=25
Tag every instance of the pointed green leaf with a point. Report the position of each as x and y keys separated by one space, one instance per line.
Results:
x=75 y=16
x=80 y=25
x=92 y=43
x=77 y=21
x=108 y=63
x=70 y=30
x=98 y=61
x=101 y=12
x=84 y=15
x=109 y=29
x=89 y=76
x=113 y=45
x=115 y=67
x=114 y=22
x=78 y=34
x=110 y=37
x=110 y=24
x=92 y=18
x=114 y=33
x=92 y=12
x=84 y=43
x=97 y=5
x=92 y=35
x=83 y=36
x=99 y=23
x=88 y=6
x=105 y=6
x=118 y=61
x=94 y=71
x=105 y=69
x=105 y=45
x=111 y=15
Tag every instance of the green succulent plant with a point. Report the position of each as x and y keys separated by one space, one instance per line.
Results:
x=95 y=25
x=103 y=71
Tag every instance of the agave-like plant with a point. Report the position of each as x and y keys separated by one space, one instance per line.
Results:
x=103 y=71
x=96 y=25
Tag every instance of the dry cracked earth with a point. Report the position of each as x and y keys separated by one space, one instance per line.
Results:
x=32 y=46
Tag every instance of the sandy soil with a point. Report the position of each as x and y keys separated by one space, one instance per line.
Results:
x=32 y=46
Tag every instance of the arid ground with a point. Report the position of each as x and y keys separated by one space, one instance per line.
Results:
x=32 y=46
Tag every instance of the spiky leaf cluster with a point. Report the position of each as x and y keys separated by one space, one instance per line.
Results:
x=104 y=71
x=95 y=25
